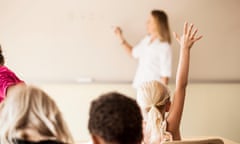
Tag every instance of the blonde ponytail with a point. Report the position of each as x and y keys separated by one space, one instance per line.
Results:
x=153 y=125
x=150 y=96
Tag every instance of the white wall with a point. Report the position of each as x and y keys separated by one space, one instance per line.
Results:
x=62 y=40
x=210 y=110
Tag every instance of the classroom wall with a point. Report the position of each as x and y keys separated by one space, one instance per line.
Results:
x=64 y=40
x=210 y=109
x=52 y=40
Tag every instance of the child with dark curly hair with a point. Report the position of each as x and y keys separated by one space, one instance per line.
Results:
x=116 y=119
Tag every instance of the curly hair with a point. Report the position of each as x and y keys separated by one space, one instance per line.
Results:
x=116 y=118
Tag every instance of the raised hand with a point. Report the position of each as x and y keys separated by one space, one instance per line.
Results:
x=188 y=37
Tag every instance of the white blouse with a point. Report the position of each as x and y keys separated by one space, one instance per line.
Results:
x=155 y=61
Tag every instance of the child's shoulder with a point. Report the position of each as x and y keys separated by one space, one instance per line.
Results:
x=4 y=68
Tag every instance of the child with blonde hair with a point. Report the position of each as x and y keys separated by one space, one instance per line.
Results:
x=29 y=116
x=154 y=98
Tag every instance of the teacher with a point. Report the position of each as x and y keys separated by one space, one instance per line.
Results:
x=153 y=52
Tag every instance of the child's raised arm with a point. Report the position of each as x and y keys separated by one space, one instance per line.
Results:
x=186 y=41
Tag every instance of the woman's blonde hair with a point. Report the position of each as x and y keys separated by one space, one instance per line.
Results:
x=28 y=106
x=152 y=97
x=161 y=20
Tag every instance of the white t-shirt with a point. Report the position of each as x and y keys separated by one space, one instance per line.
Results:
x=155 y=60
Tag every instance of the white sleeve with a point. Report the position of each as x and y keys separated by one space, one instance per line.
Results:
x=166 y=62
x=137 y=50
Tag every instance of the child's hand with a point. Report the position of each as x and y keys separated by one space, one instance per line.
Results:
x=188 y=37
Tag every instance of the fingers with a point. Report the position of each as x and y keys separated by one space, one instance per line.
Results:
x=190 y=30
x=188 y=38
x=185 y=28
x=198 y=38
x=117 y=30
x=194 y=33
x=176 y=36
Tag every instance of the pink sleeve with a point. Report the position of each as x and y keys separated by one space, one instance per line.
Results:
x=7 y=78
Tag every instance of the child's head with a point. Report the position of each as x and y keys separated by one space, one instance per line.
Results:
x=115 y=118
x=28 y=107
x=158 y=23
x=1 y=57
x=154 y=100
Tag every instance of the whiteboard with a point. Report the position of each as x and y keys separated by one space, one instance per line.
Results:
x=68 y=40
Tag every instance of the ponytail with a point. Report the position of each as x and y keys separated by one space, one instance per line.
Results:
x=154 y=122
x=151 y=96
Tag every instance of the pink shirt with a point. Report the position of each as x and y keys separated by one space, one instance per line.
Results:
x=7 y=78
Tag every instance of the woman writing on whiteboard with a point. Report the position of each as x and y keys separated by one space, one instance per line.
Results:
x=153 y=52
